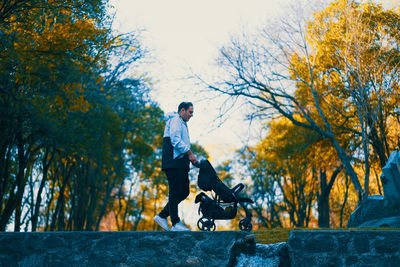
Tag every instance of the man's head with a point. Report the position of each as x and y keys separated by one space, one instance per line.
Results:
x=185 y=110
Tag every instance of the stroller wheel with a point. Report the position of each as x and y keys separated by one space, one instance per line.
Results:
x=206 y=224
x=245 y=225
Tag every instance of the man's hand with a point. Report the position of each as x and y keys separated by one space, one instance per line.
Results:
x=192 y=157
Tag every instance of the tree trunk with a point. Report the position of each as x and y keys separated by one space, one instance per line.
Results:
x=323 y=201
x=344 y=201
x=90 y=213
x=261 y=218
x=378 y=146
x=127 y=207
x=323 y=212
x=46 y=165
x=349 y=169
x=58 y=215
x=275 y=220
x=5 y=154
x=49 y=201
x=15 y=199
x=136 y=222
x=105 y=202
x=323 y=197
x=81 y=196
x=17 y=219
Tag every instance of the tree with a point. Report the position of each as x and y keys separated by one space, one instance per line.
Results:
x=263 y=189
x=75 y=128
x=41 y=75
x=359 y=52
x=312 y=76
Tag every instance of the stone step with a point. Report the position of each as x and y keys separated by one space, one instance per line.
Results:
x=124 y=248
x=344 y=248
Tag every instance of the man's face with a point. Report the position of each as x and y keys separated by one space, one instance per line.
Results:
x=186 y=114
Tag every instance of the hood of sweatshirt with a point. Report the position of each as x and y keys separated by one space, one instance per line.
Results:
x=170 y=115
x=167 y=118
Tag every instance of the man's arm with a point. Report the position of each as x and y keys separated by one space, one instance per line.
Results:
x=177 y=142
x=192 y=157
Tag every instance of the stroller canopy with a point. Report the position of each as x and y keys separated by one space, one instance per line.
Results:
x=208 y=180
x=207 y=176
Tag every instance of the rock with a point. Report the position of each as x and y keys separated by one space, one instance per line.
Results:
x=391 y=177
x=246 y=245
x=279 y=250
x=192 y=260
x=247 y=260
x=379 y=211
x=389 y=222
x=123 y=248
x=267 y=255
x=372 y=208
x=351 y=248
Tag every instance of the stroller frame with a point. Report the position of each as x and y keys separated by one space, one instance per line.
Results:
x=212 y=208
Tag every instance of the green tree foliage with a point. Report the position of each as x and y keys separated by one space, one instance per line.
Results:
x=75 y=131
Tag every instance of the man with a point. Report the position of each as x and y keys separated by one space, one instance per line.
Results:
x=176 y=158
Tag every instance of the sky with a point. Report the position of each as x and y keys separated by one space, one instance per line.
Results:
x=184 y=37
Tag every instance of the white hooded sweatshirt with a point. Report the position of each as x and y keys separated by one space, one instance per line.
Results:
x=176 y=128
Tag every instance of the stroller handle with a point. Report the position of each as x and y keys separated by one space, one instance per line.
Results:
x=197 y=164
x=237 y=188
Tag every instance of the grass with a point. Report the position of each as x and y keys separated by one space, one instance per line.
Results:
x=276 y=235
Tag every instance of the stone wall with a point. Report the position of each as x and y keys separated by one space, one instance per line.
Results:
x=344 y=248
x=124 y=248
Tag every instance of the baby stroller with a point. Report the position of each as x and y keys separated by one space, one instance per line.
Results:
x=223 y=205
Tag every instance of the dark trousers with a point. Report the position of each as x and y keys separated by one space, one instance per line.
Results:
x=178 y=183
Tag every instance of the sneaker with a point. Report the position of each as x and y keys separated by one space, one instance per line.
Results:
x=163 y=222
x=179 y=227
